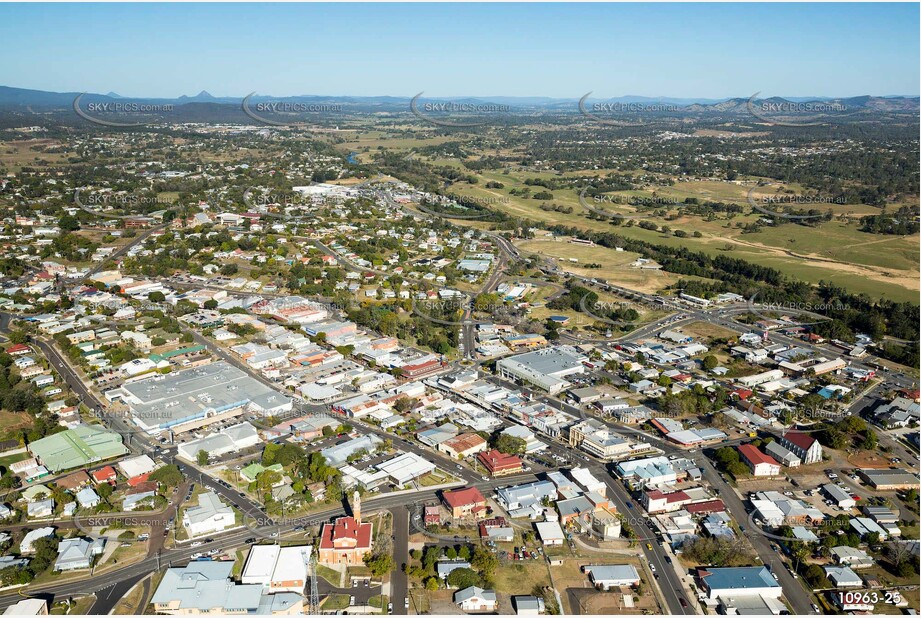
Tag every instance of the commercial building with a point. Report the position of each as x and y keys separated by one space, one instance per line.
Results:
x=230 y=440
x=197 y=397
x=607 y=576
x=476 y=599
x=276 y=568
x=499 y=464
x=888 y=480
x=206 y=587
x=738 y=581
x=760 y=464
x=595 y=437
x=463 y=445
x=77 y=447
x=345 y=542
x=467 y=502
x=550 y=533
x=211 y=515
x=544 y=369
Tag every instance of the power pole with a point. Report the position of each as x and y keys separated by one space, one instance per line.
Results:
x=314 y=607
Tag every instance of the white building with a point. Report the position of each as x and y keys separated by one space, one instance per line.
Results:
x=277 y=568
x=211 y=515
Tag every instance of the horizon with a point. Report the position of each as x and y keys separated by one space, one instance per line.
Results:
x=716 y=52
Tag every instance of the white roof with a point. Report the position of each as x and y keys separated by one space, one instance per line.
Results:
x=549 y=531
x=136 y=466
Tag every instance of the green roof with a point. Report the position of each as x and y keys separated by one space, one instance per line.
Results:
x=77 y=447
x=255 y=469
x=168 y=355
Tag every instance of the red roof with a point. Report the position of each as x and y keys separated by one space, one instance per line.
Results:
x=710 y=506
x=141 y=488
x=137 y=480
x=346 y=529
x=800 y=439
x=753 y=455
x=104 y=474
x=463 y=497
x=19 y=347
x=498 y=462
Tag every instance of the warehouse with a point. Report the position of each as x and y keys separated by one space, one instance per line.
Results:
x=194 y=398
x=543 y=369
x=887 y=480
x=77 y=447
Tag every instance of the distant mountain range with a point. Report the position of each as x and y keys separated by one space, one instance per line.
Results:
x=40 y=100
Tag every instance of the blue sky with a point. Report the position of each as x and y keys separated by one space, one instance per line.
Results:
x=557 y=50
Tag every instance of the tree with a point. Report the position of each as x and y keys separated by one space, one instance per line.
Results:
x=210 y=304
x=69 y=223
x=202 y=458
x=432 y=583
x=464 y=578
x=710 y=362
x=167 y=475
x=510 y=445
x=156 y=297
x=484 y=561
x=379 y=563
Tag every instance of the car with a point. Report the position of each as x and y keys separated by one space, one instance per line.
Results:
x=351 y=600
x=406 y=603
x=274 y=534
x=649 y=546
x=682 y=602
x=652 y=567
x=390 y=606
x=459 y=467
x=250 y=540
x=774 y=575
x=196 y=544
x=815 y=608
x=485 y=478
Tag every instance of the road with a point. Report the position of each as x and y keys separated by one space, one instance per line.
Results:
x=399 y=585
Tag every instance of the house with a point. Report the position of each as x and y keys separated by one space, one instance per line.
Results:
x=476 y=599
x=467 y=502
x=607 y=576
x=27 y=545
x=802 y=445
x=77 y=553
x=843 y=577
x=28 y=607
x=527 y=605
x=550 y=533
x=760 y=464
x=852 y=557
x=104 y=475
x=211 y=515
x=40 y=509
x=87 y=498
x=445 y=567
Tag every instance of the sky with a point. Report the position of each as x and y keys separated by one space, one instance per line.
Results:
x=555 y=50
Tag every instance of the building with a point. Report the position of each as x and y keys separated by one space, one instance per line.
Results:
x=607 y=576
x=463 y=445
x=28 y=607
x=276 y=568
x=760 y=464
x=347 y=540
x=445 y=567
x=193 y=398
x=78 y=447
x=211 y=515
x=136 y=466
x=475 y=599
x=889 y=480
x=852 y=557
x=527 y=605
x=77 y=553
x=843 y=577
x=782 y=454
x=839 y=497
x=467 y=502
x=27 y=545
x=595 y=437
x=803 y=446
x=738 y=581
x=526 y=500
x=550 y=533
x=230 y=440
x=544 y=369
x=500 y=464
x=206 y=587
